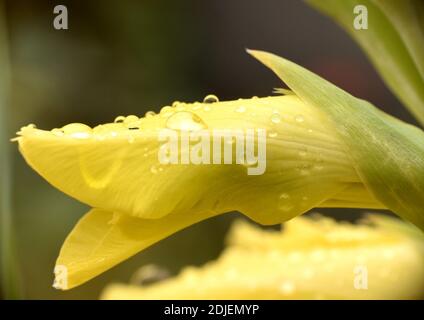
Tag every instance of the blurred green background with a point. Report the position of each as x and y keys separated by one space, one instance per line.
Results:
x=129 y=57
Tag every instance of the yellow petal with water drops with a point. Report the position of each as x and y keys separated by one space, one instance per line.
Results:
x=102 y=239
x=312 y=258
x=115 y=166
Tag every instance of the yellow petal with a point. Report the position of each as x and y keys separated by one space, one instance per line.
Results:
x=102 y=239
x=117 y=169
x=310 y=259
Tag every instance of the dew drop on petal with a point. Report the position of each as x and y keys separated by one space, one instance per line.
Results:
x=275 y=118
x=77 y=130
x=130 y=119
x=165 y=111
x=272 y=134
x=119 y=119
x=299 y=118
x=284 y=203
x=210 y=98
x=185 y=120
x=150 y=114
x=284 y=196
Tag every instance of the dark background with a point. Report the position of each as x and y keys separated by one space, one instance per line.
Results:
x=129 y=57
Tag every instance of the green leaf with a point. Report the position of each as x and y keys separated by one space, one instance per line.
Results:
x=394 y=42
x=9 y=268
x=387 y=153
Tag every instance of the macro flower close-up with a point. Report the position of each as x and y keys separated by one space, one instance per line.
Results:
x=137 y=145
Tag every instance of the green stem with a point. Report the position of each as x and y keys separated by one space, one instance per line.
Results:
x=10 y=283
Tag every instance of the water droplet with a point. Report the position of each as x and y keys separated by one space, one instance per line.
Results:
x=119 y=119
x=175 y=103
x=210 y=98
x=206 y=108
x=166 y=110
x=284 y=203
x=154 y=169
x=77 y=130
x=299 y=118
x=240 y=109
x=272 y=134
x=185 y=120
x=303 y=153
x=131 y=138
x=130 y=119
x=284 y=196
x=275 y=118
x=150 y=114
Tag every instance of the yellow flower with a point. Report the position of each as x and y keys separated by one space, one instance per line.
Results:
x=315 y=157
x=311 y=259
